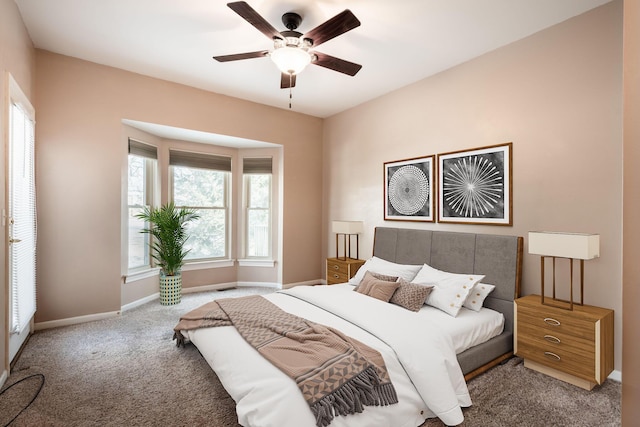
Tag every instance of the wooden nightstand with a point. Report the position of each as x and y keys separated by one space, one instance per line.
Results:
x=341 y=270
x=575 y=346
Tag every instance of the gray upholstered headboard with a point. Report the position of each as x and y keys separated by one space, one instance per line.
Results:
x=499 y=258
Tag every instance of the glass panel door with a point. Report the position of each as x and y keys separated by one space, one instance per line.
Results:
x=21 y=220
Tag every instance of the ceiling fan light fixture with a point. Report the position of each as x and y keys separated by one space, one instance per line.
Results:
x=292 y=50
x=291 y=60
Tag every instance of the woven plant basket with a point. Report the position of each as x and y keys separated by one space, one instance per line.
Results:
x=170 y=289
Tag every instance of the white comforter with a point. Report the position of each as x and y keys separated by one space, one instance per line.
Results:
x=420 y=359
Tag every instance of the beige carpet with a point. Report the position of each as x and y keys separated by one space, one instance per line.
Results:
x=126 y=371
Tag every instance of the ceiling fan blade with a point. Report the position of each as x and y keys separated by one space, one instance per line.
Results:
x=336 y=64
x=285 y=82
x=254 y=18
x=339 y=24
x=239 y=56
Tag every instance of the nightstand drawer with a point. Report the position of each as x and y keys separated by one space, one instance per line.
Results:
x=341 y=270
x=554 y=322
x=580 y=365
x=334 y=267
x=552 y=340
x=335 y=277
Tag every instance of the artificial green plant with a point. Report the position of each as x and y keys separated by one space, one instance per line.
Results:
x=167 y=226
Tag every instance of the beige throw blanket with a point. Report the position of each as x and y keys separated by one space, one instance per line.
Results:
x=335 y=373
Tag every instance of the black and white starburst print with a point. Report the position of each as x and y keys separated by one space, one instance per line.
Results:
x=473 y=186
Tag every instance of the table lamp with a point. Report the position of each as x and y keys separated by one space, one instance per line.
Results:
x=572 y=246
x=346 y=229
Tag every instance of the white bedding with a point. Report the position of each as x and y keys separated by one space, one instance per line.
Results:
x=428 y=382
x=469 y=328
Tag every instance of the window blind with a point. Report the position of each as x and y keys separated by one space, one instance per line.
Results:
x=257 y=165
x=199 y=160
x=141 y=149
x=22 y=228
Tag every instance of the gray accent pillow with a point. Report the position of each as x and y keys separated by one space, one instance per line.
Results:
x=410 y=295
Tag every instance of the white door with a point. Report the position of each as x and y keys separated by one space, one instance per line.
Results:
x=21 y=218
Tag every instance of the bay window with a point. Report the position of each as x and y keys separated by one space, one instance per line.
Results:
x=142 y=164
x=257 y=174
x=201 y=181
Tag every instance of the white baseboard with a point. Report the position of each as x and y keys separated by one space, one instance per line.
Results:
x=139 y=302
x=204 y=288
x=259 y=285
x=615 y=376
x=3 y=378
x=75 y=320
x=195 y=289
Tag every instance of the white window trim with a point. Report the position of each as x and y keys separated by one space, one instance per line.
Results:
x=260 y=261
x=151 y=184
x=256 y=262
x=134 y=276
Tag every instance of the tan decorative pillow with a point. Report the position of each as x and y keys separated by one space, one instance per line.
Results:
x=410 y=295
x=376 y=288
x=379 y=276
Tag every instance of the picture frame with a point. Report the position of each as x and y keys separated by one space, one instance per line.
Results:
x=475 y=186
x=409 y=189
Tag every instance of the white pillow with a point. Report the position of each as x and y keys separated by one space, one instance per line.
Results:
x=477 y=296
x=381 y=266
x=450 y=289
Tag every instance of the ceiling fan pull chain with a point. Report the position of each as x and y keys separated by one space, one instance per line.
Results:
x=290 y=90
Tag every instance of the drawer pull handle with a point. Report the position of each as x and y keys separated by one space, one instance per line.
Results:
x=552 y=339
x=550 y=321
x=551 y=355
x=336 y=267
x=336 y=276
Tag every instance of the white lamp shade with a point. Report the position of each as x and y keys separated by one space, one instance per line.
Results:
x=347 y=227
x=290 y=60
x=564 y=245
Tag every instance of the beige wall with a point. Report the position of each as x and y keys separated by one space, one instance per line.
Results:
x=17 y=57
x=631 y=224
x=80 y=152
x=557 y=95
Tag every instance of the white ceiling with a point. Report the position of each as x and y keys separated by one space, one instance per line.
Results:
x=399 y=42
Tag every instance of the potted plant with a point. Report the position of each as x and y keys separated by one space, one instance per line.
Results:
x=167 y=226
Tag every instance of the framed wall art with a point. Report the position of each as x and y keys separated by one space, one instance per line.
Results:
x=408 y=189
x=475 y=186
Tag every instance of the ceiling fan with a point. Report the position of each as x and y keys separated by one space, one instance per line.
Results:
x=292 y=50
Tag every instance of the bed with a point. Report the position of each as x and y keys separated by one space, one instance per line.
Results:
x=429 y=354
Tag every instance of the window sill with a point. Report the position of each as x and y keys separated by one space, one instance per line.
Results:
x=256 y=263
x=203 y=265
x=196 y=265
x=140 y=275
